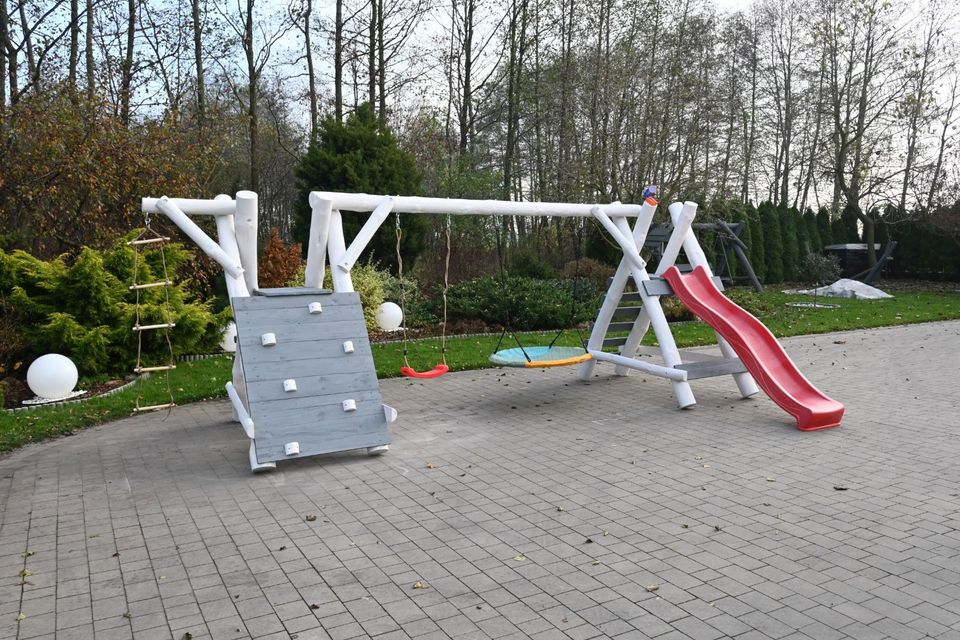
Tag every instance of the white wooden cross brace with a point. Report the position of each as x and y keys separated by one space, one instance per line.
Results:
x=634 y=266
x=377 y=218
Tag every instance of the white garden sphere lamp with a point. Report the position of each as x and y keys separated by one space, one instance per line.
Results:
x=228 y=342
x=52 y=376
x=389 y=316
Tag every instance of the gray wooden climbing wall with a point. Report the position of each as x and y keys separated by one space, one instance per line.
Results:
x=310 y=350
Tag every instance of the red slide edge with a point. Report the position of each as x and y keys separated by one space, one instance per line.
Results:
x=812 y=409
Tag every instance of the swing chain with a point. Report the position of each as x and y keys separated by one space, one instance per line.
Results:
x=446 y=289
x=403 y=289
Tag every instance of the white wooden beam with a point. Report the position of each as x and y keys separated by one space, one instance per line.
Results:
x=457 y=207
x=193 y=207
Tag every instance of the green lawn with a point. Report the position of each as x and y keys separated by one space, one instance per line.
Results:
x=204 y=379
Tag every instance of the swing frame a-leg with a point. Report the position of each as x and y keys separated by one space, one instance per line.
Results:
x=632 y=266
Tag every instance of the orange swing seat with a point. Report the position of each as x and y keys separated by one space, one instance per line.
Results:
x=436 y=372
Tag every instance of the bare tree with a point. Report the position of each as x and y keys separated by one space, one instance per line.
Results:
x=338 y=62
x=88 y=53
x=784 y=34
x=517 y=43
x=948 y=124
x=5 y=49
x=198 y=64
x=861 y=40
x=257 y=39
x=126 y=72
x=74 y=43
x=924 y=72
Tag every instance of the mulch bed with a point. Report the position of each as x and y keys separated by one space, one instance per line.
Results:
x=16 y=391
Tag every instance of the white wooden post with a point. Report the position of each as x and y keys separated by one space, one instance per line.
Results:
x=236 y=288
x=246 y=228
x=745 y=382
x=615 y=292
x=227 y=238
x=668 y=347
x=317 y=241
x=336 y=248
x=669 y=256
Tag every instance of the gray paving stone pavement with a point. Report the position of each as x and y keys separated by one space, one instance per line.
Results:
x=527 y=504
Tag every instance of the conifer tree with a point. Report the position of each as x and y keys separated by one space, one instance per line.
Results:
x=772 y=242
x=757 y=257
x=824 y=227
x=361 y=155
x=790 y=235
x=813 y=232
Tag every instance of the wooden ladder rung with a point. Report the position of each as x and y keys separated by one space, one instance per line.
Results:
x=162 y=283
x=154 y=407
x=134 y=243
x=145 y=327
x=166 y=367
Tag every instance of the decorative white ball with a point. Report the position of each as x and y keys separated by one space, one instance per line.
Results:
x=52 y=376
x=389 y=316
x=228 y=342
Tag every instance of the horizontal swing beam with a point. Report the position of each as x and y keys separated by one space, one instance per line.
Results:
x=454 y=206
x=192 y=206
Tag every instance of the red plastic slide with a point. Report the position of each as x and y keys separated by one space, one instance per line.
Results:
x=758 y=349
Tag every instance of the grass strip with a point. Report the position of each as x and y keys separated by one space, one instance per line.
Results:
x=204 y=379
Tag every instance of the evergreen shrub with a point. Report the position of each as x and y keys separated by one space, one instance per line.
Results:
x=757 y=256
x=82 y=307
x=790 y=224
x=772 y=243
x=521 y=303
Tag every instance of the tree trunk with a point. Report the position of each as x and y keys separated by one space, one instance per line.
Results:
x=198 y=63
x=916 y=99
x=88 y=50
x=750 y=120
x=4 y=28
x=514 y=71
x=12 y=63
x=32 y=71
x=126 y=77
x=311 y=78
x=815 y=141
x=731 y=123
x=381 y=64
x=942 y=147
x=74 y=44
x=564 y=191
x=252 y=116
x=338 y=62
x=372 y=59
x=467 y=93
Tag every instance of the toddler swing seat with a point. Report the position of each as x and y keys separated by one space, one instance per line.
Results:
x=409 y=372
